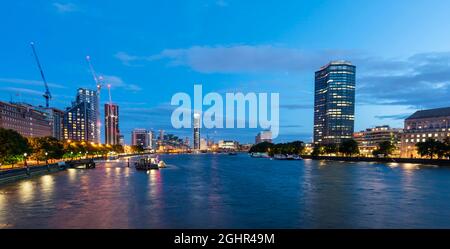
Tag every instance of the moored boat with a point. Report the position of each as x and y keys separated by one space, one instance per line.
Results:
x=294 y=157
x=280 y=157
x=148 y=162
x=287 y=157
x=161 y=164
x=259 y=155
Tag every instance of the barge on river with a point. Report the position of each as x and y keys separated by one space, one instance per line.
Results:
x=149 y=162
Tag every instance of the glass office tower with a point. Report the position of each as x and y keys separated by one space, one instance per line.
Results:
x=334 y=102
x=196 y=131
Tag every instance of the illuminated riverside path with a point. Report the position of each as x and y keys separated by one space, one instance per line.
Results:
x=222 y=191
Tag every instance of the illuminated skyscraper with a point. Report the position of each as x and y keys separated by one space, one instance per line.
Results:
x=149 y=139
x=139 y=137
x=81 y=122
x=76 y=126
x=112 y=124
x=196 y=131
x=334 y=102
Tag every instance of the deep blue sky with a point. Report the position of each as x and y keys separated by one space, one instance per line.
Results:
x=149 y=50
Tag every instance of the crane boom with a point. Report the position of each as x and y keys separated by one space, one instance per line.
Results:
x=98 y=80
x=47 y=95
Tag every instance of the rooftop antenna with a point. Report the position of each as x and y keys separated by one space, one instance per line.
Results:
x=109 y=93
x=47 y=95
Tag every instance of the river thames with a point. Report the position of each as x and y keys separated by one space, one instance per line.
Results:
x=223 y=191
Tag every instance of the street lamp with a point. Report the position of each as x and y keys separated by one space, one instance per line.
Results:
x=46 y=160
x=25 y=159
x=71 y=155
x=25 y=162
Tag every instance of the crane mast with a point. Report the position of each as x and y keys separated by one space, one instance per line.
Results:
x=47 y=95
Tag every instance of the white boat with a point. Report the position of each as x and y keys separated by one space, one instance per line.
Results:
x=161 y=164
x=286 y=157
x=259 y=155
x=149 y=162
x=294 y=157
x=280 y=157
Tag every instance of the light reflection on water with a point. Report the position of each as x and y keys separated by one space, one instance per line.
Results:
x=221 y=191
x=26 y=192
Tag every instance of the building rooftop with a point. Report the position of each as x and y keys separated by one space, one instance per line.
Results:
x=337 y=62
x=431 y=113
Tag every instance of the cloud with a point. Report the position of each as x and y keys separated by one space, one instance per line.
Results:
x=221 y=3
x=241 y=58
x=65 y=7
x=19 y=91
x=291 y=126
x=126 y=59
x=30 y=82
x=296 y=106
x=117 y=82
x=394 y=117
x=419 y=81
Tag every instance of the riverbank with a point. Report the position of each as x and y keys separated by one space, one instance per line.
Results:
x=12 y=175
x=15 y=174
x=437 y=162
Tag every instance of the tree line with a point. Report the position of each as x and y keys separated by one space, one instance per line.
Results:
x=348 y=147
x=430 y=148
x=14 y=148
x=292 y=148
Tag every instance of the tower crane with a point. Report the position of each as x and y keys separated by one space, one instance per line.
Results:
x=98 y=79
x=47 y=95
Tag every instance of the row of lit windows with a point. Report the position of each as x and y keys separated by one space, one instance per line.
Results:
x=429 y=135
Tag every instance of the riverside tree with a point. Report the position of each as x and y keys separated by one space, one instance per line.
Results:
x=13 y=146
x=432 y=147
x=349 y=147
x=292 y=148
x=385 y=148
x=50 y=145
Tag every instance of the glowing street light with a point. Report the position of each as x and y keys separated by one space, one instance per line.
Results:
x=25 y=159
x=25 y=163
x=46 y=161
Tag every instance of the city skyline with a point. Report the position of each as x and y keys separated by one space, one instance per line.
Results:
x=146 y=61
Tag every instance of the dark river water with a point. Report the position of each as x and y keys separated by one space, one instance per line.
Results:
x=222 y=191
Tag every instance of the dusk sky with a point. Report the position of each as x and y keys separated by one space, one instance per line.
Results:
x=150 y=50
